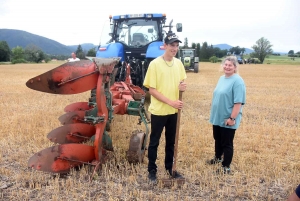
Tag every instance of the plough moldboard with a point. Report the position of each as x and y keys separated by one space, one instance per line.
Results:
x=89 y=120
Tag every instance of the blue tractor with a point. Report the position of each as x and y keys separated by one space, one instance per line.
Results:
x=137 y=39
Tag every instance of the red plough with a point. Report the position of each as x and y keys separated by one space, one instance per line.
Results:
x=90 y=120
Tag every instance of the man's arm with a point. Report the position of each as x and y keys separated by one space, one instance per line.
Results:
x=175 y=104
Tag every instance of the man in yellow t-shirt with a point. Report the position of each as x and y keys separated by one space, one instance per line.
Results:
x=164 y=78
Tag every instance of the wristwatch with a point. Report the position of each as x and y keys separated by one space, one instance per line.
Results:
x=233 y=119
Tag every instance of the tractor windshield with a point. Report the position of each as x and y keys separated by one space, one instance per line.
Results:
x=136 y=32
x=187 y=53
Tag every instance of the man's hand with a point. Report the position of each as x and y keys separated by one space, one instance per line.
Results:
x=177 y=104
x=182 y=86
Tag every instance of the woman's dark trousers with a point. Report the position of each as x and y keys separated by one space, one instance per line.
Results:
x=224 y=144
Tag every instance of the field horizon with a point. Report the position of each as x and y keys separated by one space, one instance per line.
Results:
x=266 y=146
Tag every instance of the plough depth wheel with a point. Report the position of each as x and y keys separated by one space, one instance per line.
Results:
x=136 y=151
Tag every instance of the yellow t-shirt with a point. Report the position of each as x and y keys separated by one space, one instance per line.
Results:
x=165 y=78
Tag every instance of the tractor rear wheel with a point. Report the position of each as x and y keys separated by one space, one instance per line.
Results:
x=196 y=67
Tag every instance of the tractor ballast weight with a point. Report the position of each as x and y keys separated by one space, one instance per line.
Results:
x=189 y=59
x=137 y=39
x=90 y=120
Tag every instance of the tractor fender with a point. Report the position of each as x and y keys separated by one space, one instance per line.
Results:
x=154 y=49
x=111 y=50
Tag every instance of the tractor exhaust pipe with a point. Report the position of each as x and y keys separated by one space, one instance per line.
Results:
x=170 y=27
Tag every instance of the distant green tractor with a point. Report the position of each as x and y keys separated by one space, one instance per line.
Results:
x=189 y=59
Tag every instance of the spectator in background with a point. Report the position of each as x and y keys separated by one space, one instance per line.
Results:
x=296 y=195
x=74 y=58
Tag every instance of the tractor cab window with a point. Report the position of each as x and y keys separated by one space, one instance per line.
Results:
x=122 y=33
x=136 y=32
x=187 y=53
x=106 y=33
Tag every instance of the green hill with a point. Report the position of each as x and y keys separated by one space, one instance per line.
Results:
x=20 y=38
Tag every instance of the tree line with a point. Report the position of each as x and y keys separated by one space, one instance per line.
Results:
x=206 y=52
x=33 y=54
x=261 y=48
x=291 y=53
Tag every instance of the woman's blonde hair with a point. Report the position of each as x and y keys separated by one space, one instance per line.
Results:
x=234 y=61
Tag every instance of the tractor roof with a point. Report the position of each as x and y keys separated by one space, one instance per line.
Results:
x=142 y=15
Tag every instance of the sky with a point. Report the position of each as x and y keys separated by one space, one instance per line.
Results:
x=233 y=22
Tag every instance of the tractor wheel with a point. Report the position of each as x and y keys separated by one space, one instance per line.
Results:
x=139 y=76
x=145 y=65
x=107 y=126
x=136 y=151
x=121 y=74
x=196 y=67
x=113 y=76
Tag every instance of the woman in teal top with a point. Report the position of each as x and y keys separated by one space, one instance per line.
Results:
x=226 y=112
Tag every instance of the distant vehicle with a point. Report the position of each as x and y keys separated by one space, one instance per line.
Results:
x=254 y=61
x=239 y=59
x=189 y=59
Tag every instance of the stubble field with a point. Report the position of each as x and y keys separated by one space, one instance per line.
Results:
x=265 y=165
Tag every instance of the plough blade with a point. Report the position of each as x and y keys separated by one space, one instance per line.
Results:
x=72 y=133
x=79 y=106
x=69 y=78
x=61 y=158
x=72 y=117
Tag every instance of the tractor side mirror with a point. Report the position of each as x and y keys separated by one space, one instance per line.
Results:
x=179 y=27
x=150 y=30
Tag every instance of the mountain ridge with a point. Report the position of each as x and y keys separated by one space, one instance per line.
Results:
x=15 y=38
x=225 y=46
x=21 y=38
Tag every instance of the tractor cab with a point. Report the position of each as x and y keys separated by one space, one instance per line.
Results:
x=136 y=33
x=131 y=35
x=187 y=52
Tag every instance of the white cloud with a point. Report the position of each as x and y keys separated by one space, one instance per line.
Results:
x=235 y=22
